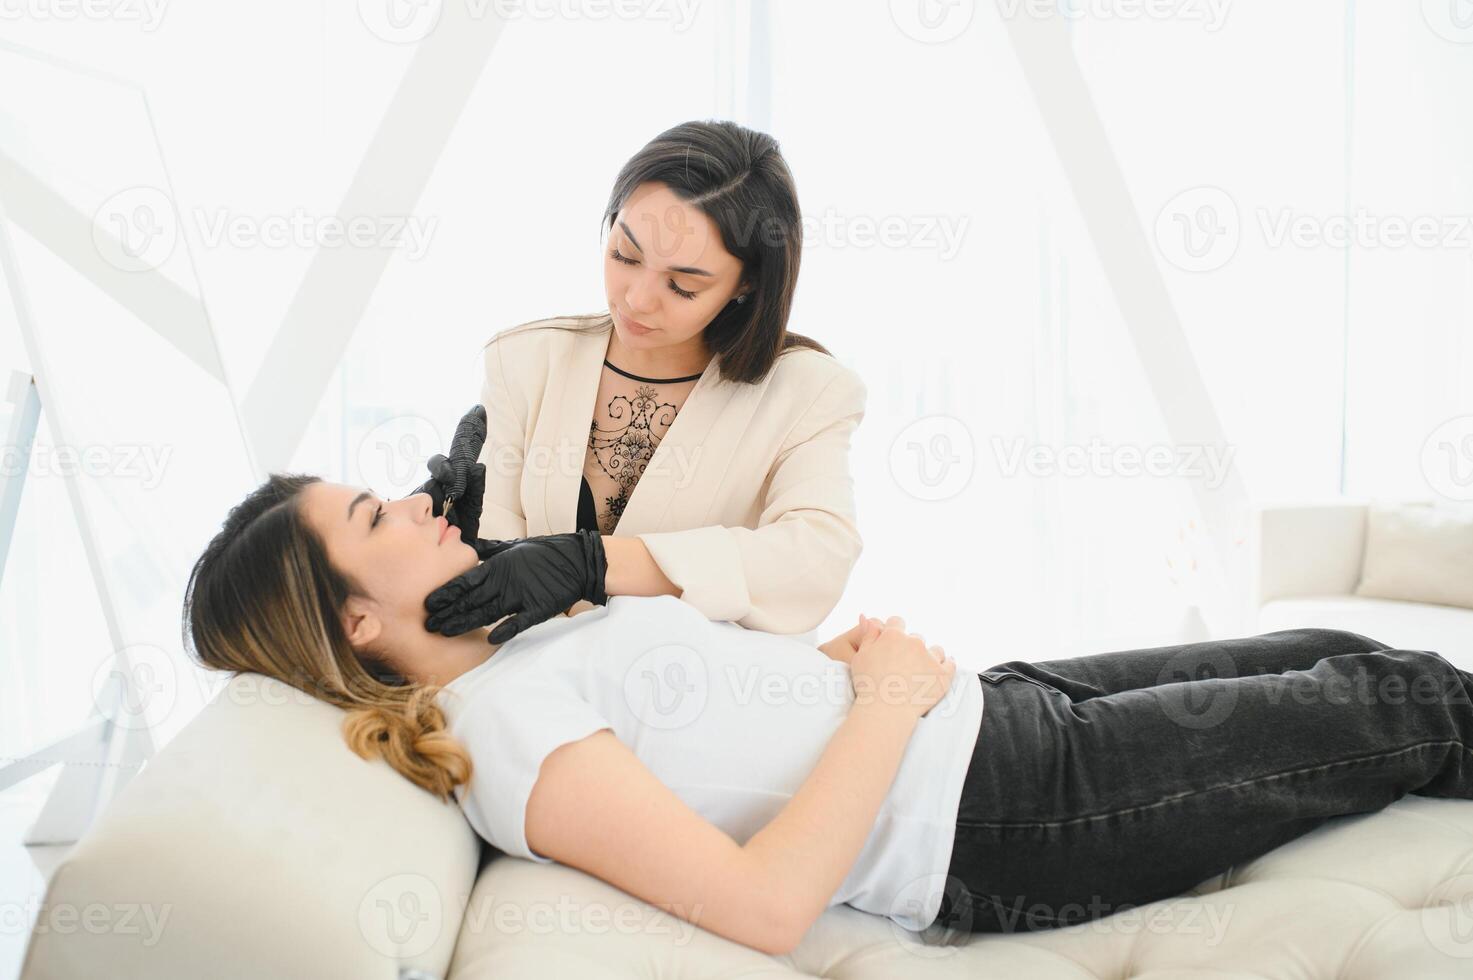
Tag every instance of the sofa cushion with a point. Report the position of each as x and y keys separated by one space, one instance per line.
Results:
x=1418 y=553
x=1403 y=625
x=1384 y=895
x=256 y=844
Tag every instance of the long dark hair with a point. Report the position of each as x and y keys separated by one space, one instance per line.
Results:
x=738 y=178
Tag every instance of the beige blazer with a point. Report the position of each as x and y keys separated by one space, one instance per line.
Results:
x=747 y=504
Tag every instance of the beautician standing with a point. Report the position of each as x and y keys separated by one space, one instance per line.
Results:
x=682 y=442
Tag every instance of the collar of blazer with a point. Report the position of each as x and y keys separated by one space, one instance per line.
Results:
x=681 y=480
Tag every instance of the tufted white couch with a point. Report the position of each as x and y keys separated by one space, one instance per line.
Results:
x=256 y=845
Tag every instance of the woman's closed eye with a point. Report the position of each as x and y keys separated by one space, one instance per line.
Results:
x=628 y=261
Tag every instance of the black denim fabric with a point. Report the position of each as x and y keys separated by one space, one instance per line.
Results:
x=1103 y=782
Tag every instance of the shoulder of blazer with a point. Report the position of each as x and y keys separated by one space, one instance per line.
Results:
x=538 y=342
x=549 y=330
x=808 y=373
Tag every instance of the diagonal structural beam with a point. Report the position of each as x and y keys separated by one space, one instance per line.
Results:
x=167 y=308
x=335 y=291
x=1094 y=173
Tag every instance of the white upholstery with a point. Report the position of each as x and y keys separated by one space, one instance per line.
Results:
x=1306 y=549
x=279 y=853
x=1447 y=630
x=1418 y=553
x=1382 y=896
x=1307 y=560
x=265 y=848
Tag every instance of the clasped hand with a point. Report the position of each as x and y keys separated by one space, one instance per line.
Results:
x=889 y=665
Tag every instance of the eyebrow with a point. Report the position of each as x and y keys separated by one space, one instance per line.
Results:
x=356 y=501
x=689 y=270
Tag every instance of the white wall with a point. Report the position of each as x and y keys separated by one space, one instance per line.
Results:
x=992 y=319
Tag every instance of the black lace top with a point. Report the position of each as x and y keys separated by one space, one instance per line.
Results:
x=630 y=417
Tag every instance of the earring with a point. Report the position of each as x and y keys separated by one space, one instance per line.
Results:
x=742 y=298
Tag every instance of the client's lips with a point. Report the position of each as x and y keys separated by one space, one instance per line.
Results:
x=446 y=528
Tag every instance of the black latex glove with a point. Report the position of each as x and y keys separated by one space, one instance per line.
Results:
x=460 y=469
x=528 y=580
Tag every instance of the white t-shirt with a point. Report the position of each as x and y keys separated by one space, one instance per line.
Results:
x=732 y=720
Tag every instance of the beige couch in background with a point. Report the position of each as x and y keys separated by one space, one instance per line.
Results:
x=1307 y=563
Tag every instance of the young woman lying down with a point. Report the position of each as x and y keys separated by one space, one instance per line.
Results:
x=746 y=781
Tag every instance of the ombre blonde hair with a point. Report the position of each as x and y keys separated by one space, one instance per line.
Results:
x=263 y=598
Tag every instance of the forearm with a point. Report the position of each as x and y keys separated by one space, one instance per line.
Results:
x=632 y=569
x=808 y=849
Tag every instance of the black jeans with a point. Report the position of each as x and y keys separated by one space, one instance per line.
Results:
x=1104 y=782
